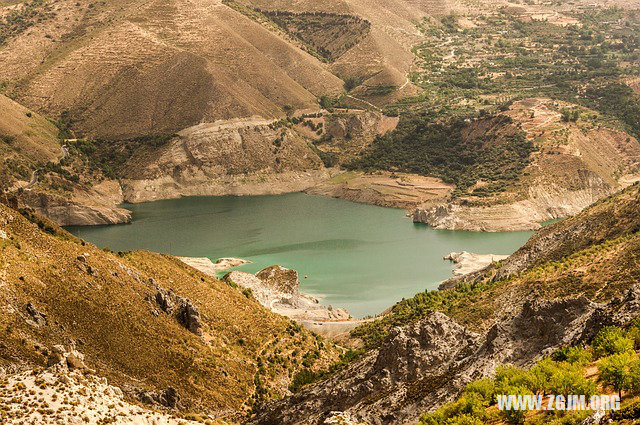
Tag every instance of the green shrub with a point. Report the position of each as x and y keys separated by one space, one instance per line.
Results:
x=486 y=388
x=569 y=379
x=573 y=355
x=301 y=378
x=611 y=340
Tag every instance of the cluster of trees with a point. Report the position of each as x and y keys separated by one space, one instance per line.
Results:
x=617 y=100
x=526 y=57
x=329 y=35
x=619 y=368
x=561 y=374
x=313 y=126
x=109 y=156
x=425 y=146
x=570 y=115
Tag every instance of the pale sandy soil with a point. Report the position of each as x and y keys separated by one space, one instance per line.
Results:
x=468 y=262
x=207 y=266
x=385 y=189
x=70 y=398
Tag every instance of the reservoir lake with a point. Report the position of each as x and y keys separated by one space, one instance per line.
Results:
x=355 y=256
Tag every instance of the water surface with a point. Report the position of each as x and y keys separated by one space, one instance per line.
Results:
x=360 y=257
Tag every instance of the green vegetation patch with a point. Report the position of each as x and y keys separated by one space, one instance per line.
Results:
x=330 y=34
x=110 y=156
x=422 y=145
x=505 y=56
x=616 y=100
x=326 y=36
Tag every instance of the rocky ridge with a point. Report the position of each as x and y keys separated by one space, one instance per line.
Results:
x=424 y=364
x=277 y=288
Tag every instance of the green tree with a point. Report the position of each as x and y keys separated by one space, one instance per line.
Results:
x=611 y=340
x=615 y=371
x=351 y=83
x=569 y=379
x=469 y=406
x=327 y=103
x=541 y=374
x=573 y=355
x=633 y=332
x=486 y=388
x=288 y=109
x=514 y=417
x=465 y=420
x=508 y=376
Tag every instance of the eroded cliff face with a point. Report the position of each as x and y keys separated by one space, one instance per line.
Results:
x=424 y=364
x=575 y=165
x=544 y=202
x=84 y=207
x=237 y=157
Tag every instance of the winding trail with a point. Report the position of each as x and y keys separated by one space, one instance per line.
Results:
x=364 y=101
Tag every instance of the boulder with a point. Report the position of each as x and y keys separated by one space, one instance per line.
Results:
x=74 y=362
x=37 y=318
x=182 y=308
x=189 y=317
x=280 y=279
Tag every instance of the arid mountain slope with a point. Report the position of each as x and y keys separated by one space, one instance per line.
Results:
x=27 y=134
x=145 y=321
x=39 y=169
x=147 y=67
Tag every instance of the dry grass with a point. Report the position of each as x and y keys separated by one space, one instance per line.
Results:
x=109 y=313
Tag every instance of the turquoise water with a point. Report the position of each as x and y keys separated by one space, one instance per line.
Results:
x=360 y=257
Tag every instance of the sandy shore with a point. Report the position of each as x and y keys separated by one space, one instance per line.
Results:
x=205 y=265
x=468 y=262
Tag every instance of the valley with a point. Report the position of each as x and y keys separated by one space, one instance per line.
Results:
x=299 y=212
x=357 y=257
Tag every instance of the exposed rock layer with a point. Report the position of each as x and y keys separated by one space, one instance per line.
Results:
x=424 y=364
x=239 y=157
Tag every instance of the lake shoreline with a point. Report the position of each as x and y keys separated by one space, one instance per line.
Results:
x=348 y=252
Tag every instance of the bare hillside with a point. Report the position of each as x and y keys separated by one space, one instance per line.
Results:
x=164 y=333
x=125 y=69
